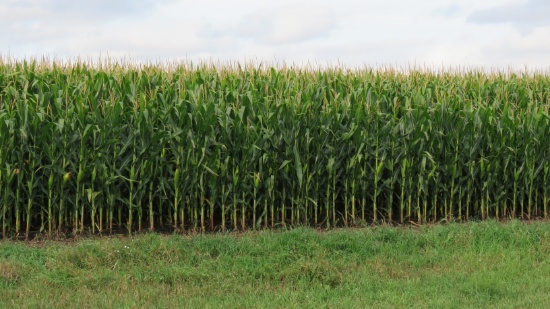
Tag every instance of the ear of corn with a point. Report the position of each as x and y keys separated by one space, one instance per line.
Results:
x=205 y=147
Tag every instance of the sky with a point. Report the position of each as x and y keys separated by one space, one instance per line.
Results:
x=504 y=34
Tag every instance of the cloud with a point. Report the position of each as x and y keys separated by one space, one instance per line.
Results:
x=523 y=16
x=452 y=10
x=351 y=32
x=34 y=22
x=506 y=49
x=287 y=24
x=68 y=28
x=68 y=10
x=521 y=50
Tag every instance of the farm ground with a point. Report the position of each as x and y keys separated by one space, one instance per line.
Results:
x=466 y=265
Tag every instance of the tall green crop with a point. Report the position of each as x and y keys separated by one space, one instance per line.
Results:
x=119 y=146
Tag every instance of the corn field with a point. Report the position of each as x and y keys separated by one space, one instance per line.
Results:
x=204 y=147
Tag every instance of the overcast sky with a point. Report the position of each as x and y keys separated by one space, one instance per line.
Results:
x=491 y=33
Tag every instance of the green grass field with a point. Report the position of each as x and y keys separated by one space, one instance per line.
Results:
x=471 y=265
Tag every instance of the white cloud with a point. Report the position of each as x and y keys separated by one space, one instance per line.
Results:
x=287 y=24
x=524 y=15
x=351 y=32
x=521 y=50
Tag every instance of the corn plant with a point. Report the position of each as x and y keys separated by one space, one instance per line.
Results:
x=91 y=148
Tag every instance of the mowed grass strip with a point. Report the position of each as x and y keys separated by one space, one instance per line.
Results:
x=474 y=265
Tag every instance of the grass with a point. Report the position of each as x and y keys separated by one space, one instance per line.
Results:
x=471 y=265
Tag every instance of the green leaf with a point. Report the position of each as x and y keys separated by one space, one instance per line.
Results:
x=298 y=166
